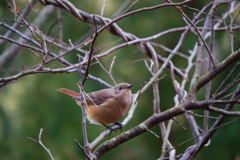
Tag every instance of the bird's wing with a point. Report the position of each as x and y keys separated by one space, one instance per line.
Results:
x=97 y=97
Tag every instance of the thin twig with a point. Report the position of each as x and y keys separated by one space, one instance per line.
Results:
x=201 y=38
x=111 y=65
x=133 y=3
x=82 y=148
x=84 y=118
x=213 y=129
x=110 y=75
x=90 y=53
x=179 y=123
x=39 y=141
x=197 y=115
x=139 y=92
x=218 y=123
x=166 y=141
x=103 y=7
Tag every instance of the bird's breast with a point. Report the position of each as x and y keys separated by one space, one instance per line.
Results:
x=109 y=112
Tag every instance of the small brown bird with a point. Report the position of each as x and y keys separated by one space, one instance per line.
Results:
x=105 y=106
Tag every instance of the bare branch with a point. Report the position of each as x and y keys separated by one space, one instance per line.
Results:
x=82 y=148
x=39 y=141
x=218 y=69
x=90 y=54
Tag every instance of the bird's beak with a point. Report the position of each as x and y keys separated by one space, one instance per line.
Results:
x=130 y=86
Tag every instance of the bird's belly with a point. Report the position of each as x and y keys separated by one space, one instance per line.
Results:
x=105 y=114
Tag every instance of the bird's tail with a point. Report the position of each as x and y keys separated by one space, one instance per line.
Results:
x=68 y=92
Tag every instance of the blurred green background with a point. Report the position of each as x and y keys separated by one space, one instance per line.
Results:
x=32 y=102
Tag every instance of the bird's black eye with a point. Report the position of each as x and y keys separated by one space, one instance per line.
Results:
x=120 y=88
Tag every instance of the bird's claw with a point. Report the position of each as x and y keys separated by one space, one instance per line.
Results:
x=120 y=125
x=111 y=129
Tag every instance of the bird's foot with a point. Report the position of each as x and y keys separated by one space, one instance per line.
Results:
x=120 y=125
x=111 y=129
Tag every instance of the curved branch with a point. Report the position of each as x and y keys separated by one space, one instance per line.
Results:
x=193 y=152
x=156 y=119
x=218 y=69
x=112 y=26
x=136 y=131
x=224 y=112
x=145 y=126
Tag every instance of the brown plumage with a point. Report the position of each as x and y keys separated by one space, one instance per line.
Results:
x=105 y=106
